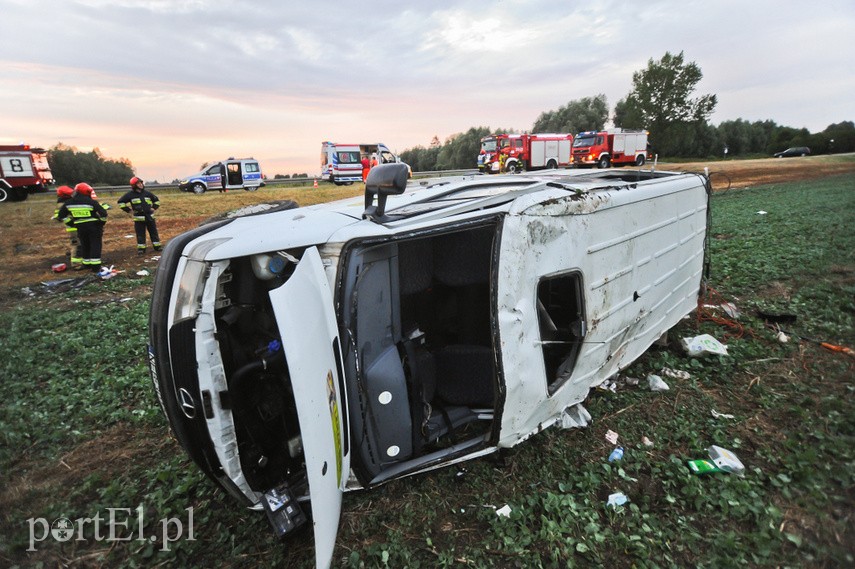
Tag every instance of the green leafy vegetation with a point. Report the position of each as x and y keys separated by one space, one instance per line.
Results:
x=82 y=432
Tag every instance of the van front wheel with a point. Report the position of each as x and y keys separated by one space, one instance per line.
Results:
x=198 y=188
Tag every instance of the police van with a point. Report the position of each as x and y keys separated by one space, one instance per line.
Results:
x=231 y=174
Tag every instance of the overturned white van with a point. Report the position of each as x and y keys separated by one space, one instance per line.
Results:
x=301 y=353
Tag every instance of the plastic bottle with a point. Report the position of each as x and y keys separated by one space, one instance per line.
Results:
x=616 y=454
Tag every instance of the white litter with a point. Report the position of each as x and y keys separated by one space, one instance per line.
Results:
x=702 y=345
x=761 y=212
x=646 y=442
x=656 y=383
x=783 y=338
x=612 y=437
x=676 y=374
x=504 y=511
x=718 y=415
x=617 y=499
x=143 y=273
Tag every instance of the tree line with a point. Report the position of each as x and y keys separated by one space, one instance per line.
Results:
x=663 y=102
x=71 y=166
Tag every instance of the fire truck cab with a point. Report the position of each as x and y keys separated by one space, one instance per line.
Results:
x=610 y=148
x=19 y=176
x=516 y=152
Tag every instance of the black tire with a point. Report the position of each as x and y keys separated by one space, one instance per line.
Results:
x=4 y=195
x=198 y=188
x=604 y=162
x=551 y=165
x=639 y=160
x=511 y=168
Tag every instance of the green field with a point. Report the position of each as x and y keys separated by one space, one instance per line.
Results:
x=82 y=434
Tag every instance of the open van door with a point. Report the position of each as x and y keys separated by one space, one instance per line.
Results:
x=304 y=313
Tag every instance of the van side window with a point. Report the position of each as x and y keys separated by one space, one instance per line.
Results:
x=250 y=167
x=213 y=170
x=561 y=316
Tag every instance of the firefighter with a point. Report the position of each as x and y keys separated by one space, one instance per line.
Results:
x=63 y=194
x=140 y=204
x=366 y=167
x=88 y=217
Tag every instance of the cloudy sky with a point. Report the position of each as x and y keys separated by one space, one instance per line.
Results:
x=170 y=84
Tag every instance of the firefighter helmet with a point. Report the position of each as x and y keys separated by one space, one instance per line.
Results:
x=83 y=188
x=64 y=192
x=135 y=180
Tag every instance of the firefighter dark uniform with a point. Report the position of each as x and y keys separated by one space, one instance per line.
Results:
x=63 y=194
x=87 y=215
x=141 y=203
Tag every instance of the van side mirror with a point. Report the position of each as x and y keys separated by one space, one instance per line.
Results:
x=383 y=180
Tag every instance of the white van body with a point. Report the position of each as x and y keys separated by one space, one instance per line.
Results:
x=369 y=336
x=341 y=164
x=230 y=174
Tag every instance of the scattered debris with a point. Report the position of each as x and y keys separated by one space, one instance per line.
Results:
x=718 y=415
x=777 y=318
x=676 y=374
x=761 y=212
x=143 y=273
x=646 y=442
x=731 y=310
x=504 y=511
x=129 y=236
x=575 y=417
x=108 y=272
x=726 y=460
x=783 y=338
x=616 y=455
x=612 y=437
x=617 y=499
x=722 y=460
x=632 y=380
x=608 y=385
x=58 y=267
x=656 y=383
x=702 y=345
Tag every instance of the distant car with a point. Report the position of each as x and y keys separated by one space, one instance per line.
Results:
x=794 y=151
x=303 y=352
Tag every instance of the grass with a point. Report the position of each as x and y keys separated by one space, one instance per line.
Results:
x=82 y=432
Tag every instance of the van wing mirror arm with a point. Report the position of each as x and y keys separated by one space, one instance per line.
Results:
x=383 y=180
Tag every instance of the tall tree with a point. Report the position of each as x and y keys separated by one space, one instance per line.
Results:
x=661 y=99
x=588 y=113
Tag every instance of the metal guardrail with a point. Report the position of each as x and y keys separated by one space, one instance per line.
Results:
x=283 y=182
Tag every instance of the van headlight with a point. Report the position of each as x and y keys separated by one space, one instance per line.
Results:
x=190 y=289
x=191 y=285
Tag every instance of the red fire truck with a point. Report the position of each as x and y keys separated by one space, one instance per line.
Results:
x=515 y=152
x=19 y=174
x=610 y=148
